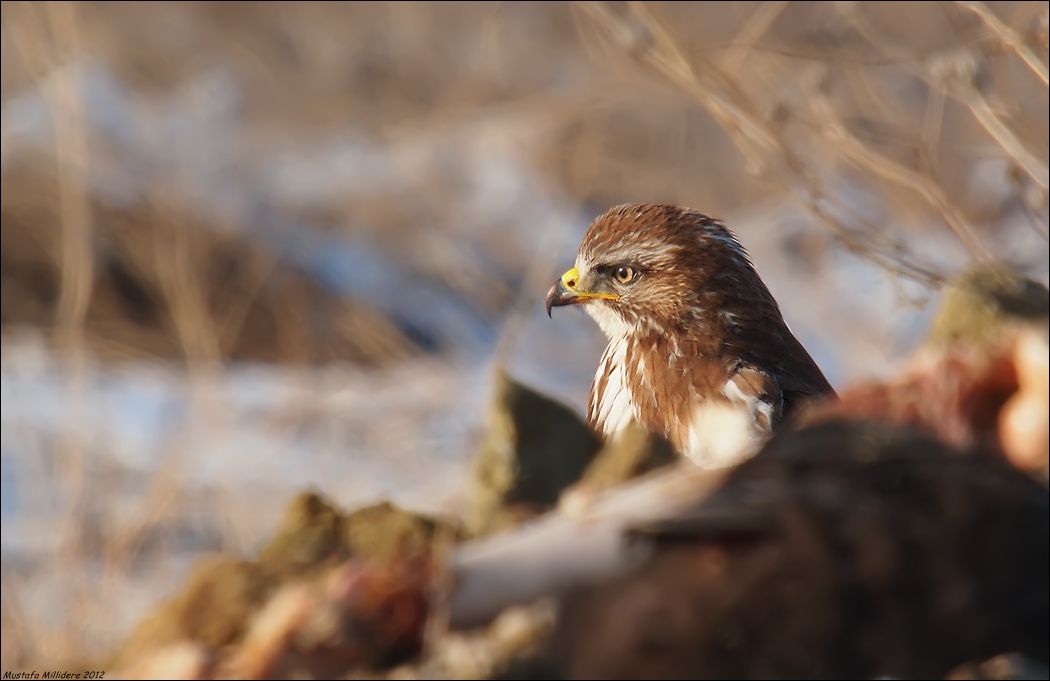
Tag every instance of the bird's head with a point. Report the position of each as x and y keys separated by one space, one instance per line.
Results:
x=653 y=268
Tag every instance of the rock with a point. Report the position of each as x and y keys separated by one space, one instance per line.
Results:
x=534 y=449
x=383 y=530
x=329 y=593
x=631 y=453
x=983 y=304
x=213 y=610
x=310 y=534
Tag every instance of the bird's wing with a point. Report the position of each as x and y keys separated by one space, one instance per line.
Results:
x=779 y=355
x=760 y=391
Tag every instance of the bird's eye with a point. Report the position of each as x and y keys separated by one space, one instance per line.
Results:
x=624 y=274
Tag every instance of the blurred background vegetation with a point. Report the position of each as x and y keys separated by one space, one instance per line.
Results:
x=252 y=247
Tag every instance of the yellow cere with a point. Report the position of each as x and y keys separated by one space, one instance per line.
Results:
x=571 y=278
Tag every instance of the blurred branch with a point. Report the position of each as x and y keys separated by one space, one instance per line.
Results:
x=956 y=74
x=47 y=37
x=541 y=270
x=650 y=43
x=931 y=127
x=870 y=160
x=52 y=59
x=1034 y=203
x=755 y=27
x=71 y=150
x=1007 y=36
x=987 y=117
x=229 y=331
x=175 y=260
x=877 y=164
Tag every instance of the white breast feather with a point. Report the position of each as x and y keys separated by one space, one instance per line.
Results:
x=722 y=434
x=614 y=407
x=725 y=433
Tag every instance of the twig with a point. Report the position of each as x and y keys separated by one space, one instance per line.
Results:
x=879 y=165
x=931 y=127
x=755 y=27
x=50 y=47
x=1007 y=36
x=654 y=46
x=986 y=116
x=541 y=270
x=955 y=74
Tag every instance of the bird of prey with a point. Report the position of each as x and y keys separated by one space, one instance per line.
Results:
x=698 y=350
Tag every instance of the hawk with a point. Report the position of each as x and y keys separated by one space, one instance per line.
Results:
x=698 y=350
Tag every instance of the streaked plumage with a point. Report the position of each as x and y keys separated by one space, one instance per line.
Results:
x=698 y=350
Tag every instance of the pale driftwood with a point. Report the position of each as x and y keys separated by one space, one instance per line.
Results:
x=566 y=547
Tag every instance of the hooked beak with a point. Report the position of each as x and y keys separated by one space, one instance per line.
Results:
x=567 y=292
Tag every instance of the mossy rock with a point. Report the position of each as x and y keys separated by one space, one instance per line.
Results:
x=634 y=451
x=384 y=530
x=535 y=448
x=982 y=304
x=310 y=534
x=223 y=594
x=214 y=608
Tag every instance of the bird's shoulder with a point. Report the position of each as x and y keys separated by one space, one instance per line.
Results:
x=766 y=345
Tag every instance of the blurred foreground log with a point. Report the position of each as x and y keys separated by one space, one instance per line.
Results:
x=546 y=556
x=845 y=549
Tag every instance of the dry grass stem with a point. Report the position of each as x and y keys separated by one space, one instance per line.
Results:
x=751 y=32
x=1008 y=37
x=653 y=44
